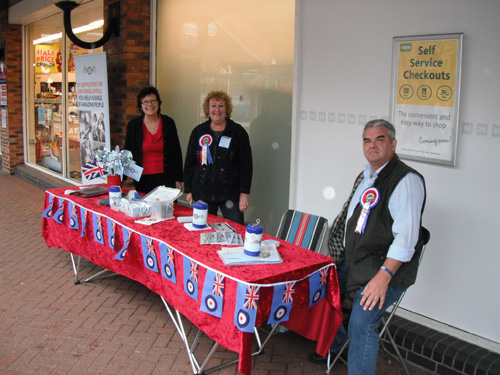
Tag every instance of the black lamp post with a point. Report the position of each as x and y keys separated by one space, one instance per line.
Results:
x=113 y=23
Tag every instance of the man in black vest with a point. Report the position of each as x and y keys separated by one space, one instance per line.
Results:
x=376 y=243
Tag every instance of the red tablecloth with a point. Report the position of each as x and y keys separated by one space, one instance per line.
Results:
x=319 y=322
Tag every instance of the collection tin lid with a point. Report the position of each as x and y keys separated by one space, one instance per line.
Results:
x=115 y=189
x=200 y=205
x=255 y=227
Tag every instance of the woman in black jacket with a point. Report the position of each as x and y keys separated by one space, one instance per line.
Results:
x=218 y=166
x=152 y=138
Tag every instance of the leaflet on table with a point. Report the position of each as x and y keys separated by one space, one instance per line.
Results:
x=222 y=227
x=190 y=227
x=151 y=220
x=235 y=256
x=221 y=238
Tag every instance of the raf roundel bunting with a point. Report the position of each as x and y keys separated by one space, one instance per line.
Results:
x=47 y=213
x=317 y=286
x=247 y=301
x=126 y=241
x=167 y=260
x=111 y=233
x=59 y=215
x=191 y=278
x=282 y=303
x=149 y=254
x=83 y=215
x=98 y=233
x=73 y=216
x=212 y=297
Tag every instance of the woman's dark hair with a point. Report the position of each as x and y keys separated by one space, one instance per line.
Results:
x=145 y=92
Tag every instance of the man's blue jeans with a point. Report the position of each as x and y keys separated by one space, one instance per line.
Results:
x=363 y=345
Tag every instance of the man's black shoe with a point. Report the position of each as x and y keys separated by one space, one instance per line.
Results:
x=316 y=358
x=319 y=360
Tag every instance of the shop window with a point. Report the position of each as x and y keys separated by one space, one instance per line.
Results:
x=53 y=119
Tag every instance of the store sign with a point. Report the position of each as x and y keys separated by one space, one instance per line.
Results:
x=48 y=58
x=425 y=96
x=93 y=108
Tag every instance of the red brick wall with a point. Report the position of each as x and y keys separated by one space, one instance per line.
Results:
x=128 y=65
x=4 y=134
x=12 y=146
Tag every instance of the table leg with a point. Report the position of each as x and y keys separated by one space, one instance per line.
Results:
x=97 y=276
x=197 y=369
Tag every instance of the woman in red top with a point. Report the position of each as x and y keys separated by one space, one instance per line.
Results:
x=152 y=138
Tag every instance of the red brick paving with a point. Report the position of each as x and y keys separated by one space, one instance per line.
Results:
x=49 y=325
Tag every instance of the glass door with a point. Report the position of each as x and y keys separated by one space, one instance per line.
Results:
x=245 y=48
x=54 y=125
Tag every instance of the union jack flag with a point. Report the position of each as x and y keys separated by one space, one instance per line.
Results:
x=218 y=288
x=151 y=246
x=251 y=297
x=323 y=276
x=170 y=256
x=289 y=292
x=193 y=271
x=93 y=170
x=74 y=210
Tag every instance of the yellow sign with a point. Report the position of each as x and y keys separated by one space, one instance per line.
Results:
x=48 y=58
x=427 y=73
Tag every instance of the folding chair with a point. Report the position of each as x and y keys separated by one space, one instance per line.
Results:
x=384 y=323
x=303 y=229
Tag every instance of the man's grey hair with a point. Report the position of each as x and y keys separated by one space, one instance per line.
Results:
x=379 y=122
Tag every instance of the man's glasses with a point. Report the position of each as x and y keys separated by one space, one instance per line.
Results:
x=152 y=102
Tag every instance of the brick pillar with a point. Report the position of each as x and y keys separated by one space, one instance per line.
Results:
x=12 y=139
x=4 y=133
x=128 y=65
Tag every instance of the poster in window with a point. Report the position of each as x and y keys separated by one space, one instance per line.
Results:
x=425 y=96
x=93 y=108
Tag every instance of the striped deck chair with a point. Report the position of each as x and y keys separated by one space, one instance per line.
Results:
x=303 y=229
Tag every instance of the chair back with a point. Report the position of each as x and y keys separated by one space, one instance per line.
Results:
x=303 y=229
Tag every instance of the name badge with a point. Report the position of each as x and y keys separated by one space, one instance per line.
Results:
x=224 y=141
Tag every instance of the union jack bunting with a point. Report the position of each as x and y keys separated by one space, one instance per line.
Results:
x=59 y=215
x=93 y=170
x=167 y=262
x=98 y=233
x=73 y=216
x=317 y=286
x=47 y=213
x=282 y=303
x=126 y=241
x=190 y=278
x=247 y=301
x=212 y=297
x=149 y=254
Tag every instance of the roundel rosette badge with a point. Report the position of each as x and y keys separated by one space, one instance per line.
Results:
x=205 y=141
x=368 y=200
